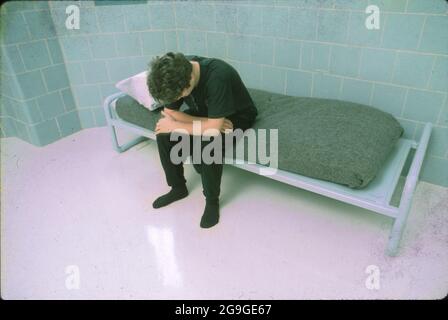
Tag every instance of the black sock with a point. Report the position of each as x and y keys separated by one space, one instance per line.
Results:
x=175 y=194
x=211 y=214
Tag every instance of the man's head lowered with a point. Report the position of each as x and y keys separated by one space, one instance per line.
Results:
x=172 y=77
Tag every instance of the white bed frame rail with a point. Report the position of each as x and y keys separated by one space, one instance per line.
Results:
x=375 y=197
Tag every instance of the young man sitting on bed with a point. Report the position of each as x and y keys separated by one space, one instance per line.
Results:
x=217 y=97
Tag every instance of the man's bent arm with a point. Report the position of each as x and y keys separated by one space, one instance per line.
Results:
x=204 y=125
x=182 y=116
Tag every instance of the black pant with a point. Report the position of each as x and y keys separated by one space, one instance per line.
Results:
x=210 y=173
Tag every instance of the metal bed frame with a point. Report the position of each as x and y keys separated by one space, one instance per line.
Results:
x=375 y=197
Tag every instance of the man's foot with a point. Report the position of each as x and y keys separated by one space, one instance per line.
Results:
x=211 y=214
x=175 y=194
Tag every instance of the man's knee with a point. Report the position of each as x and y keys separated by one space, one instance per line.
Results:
x=166 y=138
x=197 y=167
x=162 y=137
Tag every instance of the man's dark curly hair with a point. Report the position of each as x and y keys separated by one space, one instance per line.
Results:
x=168 y=76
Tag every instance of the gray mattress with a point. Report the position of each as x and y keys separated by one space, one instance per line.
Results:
x=333 y=140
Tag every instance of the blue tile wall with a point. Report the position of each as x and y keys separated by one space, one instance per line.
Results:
x=303 y=24
x=249 y=20
x=111 y=19
x=377 y=64
x=298 y=83
x=153 y=42
x=358 y=35
x=35 y=54
x=345 y=60
x=51 y=105
x=402 y=31
x=250 y=74
x=356 y=91
x=315 y=56
x=332 y=26
x=434 y=36
x=55 y=79
x=136 y=17
x=423 y=105
x=287 y=53
x=275 y=21
x=102 y=46
x=226 y=18
x=265 y=56
x=427 y=6
x=326 y=86
x=35 y=74
x=388 y=98
x=39 y=19
x=412 y=69
x=128 y=44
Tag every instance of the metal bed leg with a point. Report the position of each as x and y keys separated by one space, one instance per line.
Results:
x=408 y=192
x=108 y=112
x=127 y=145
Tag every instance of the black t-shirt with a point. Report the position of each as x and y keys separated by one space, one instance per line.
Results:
x=219 y=93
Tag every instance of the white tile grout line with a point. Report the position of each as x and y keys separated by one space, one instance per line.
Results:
x=49 y=52
x=88 y=38
x=312 y=85
x=206 y=33
x=348 y=26
x=420 y=36
x=330 y=63
x=164 y=42
x=359 y=63
x=394 y=67
x=341 y=84
x=95 y=12
x=107 y=73
x=383 y=28
x=21 y=59
x=84 y=78
x=216 y=27
x=20 y=56
x=284 y=81
x=62 y=99
x=173 y=6
x=372 y=89
x=140 y=41
x=43 y=80
x=148 y=7
x=439 y=117
x=417 y=128
x=288 y=25
x=405 y=100
x=57 y=124
x=431 y=72
x=330 y=52
x=26 y=24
